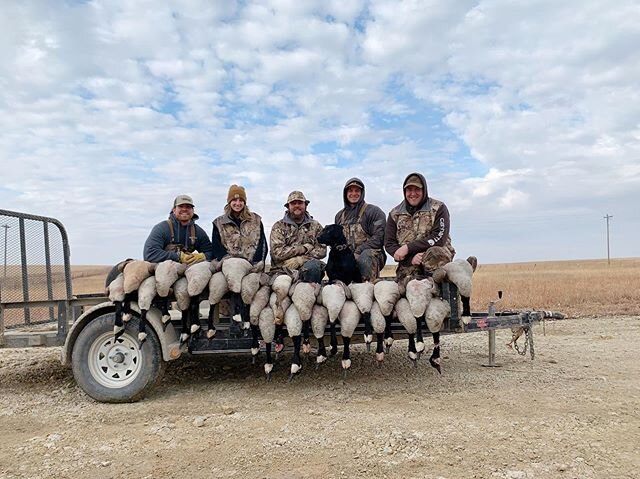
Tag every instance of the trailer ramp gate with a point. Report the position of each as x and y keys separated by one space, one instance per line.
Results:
x=35 y=274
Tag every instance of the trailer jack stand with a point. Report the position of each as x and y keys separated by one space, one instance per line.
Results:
x=492 y=350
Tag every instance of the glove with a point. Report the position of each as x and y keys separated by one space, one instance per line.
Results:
x=308 y=247
x=195 y=258
x=184 y=258
x=295 y=263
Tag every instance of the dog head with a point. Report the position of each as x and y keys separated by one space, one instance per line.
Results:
x=332 y=235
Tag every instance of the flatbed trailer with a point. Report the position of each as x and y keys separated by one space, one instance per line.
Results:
x=119 y=370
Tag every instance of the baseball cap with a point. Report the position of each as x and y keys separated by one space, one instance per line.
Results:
x=413 y=180
x=183 y=200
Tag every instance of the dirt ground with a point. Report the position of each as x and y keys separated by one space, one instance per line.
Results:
x=573 y=412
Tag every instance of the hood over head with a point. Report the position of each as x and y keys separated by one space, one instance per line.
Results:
x=415 y=179
x=351 y=182
x=350 y=213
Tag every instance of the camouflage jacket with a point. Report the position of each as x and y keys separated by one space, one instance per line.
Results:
x=429 y=226
x=365 y=230
x=289 y=239
x=242 y=240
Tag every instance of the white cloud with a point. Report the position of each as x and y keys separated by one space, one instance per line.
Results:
x=521 y=115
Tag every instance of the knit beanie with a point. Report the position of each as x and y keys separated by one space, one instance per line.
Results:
x=236 y=191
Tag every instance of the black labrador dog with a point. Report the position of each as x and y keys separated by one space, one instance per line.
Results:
x=342 y=262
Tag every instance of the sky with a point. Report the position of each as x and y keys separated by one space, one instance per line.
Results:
x=523 y=116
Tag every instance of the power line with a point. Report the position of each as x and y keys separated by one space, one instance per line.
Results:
x=607 y=217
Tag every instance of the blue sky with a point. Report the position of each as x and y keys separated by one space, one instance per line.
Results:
x=524 y=117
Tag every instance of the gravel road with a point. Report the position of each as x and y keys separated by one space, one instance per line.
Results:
x=574 y=412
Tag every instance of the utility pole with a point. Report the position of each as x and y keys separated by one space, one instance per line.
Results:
x=608 y=217
x=6 y=229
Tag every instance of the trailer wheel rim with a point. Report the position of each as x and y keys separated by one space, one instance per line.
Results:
x=114 y=363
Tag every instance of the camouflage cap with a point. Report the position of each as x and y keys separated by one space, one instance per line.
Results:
x=183 y=200
x=296 y=195
x=413 y=180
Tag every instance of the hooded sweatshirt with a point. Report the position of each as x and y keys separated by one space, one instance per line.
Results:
x=419 y=227
x=160 y=237
x=369 y=217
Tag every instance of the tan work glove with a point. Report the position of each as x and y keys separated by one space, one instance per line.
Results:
x=196 y=258
x=295 y=263
x=184 y=258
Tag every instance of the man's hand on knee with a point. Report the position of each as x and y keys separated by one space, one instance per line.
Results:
x=295 y=263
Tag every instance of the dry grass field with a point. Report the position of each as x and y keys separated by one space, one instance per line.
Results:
x=89 y=279
x=577 y=288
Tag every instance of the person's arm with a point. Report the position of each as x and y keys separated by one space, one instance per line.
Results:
x=154 y=246
x=318 y=251
x=219 y=251
x=278 y=244
x=390 y=237
x=373 y=223
x=261 y=251
x=438 y=234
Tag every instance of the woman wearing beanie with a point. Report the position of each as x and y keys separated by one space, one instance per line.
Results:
x=239 y=233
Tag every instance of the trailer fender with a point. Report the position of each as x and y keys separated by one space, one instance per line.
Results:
x=169 y=339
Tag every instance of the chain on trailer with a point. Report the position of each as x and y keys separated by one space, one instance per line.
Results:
x=523 y=351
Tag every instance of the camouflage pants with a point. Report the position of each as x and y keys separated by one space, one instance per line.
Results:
x=370 y=262
x=434 y=258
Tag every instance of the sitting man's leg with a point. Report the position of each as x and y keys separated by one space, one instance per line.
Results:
x=434 y=258
x=369 y=264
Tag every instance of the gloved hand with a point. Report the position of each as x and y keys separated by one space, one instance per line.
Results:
x=196 y=258
x=184 y=258
x=307 y=247
x=295 y=263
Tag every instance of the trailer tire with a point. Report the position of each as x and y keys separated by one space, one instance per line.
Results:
x=116 y=371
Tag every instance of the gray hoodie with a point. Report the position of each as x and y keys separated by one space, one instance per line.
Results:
x=373 y=219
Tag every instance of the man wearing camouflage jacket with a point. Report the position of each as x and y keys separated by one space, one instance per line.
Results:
x=363 y=225
x=294 y=240
x=417 y=231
